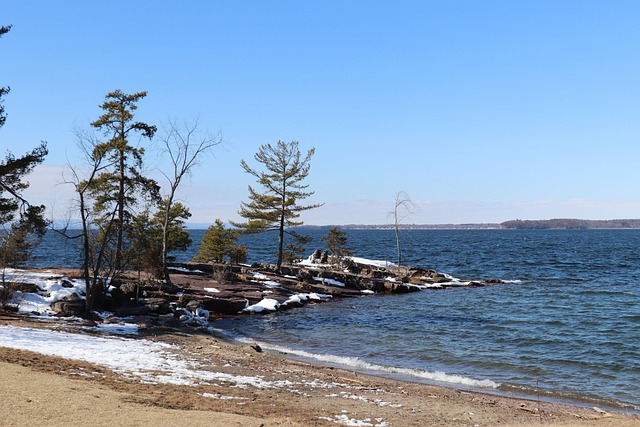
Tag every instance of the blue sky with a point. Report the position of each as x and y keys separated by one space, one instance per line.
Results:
x=482 y=111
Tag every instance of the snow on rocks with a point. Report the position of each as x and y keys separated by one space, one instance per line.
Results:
x=328 y=281
x=268 y=304
x=51 y=287
x=296 y=300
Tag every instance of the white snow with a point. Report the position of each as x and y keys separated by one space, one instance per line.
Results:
x=221 y=397
x=264 y=279
x=148 y=361
x=318 y=297
x=344 y=420
x=302 y=298
x=185 y=270
x=140 y=359
x=213 y=290
x=272 y=284
x=372 y=262
x=328 y=281
x=364 y=261
x=268 y=304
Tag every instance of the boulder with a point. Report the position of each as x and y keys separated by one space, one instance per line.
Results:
x=26 y=288
x=157 y=305
x=66 y=283
x=224 y=305
x=193 y=305
x=72 y=305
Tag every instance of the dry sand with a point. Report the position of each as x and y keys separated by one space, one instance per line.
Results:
x=42 y=390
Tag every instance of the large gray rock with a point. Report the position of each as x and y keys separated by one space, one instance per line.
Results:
x=72 y=305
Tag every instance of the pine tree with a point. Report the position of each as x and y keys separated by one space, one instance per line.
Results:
x=294 y=250
x=119 y=189
x=218 y=242
x=277 y=207
x=336 y=241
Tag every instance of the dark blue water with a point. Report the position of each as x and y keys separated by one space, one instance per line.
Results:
x=567 y=325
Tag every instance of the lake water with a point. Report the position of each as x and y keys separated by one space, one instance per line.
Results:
x=565 y=326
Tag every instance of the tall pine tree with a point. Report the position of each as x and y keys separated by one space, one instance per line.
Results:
x=118 y=190
x=278 y=206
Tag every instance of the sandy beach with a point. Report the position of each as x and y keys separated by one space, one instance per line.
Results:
x=56 y=391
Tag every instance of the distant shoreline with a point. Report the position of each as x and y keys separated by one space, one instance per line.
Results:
x=546 y=224
x=541 y=224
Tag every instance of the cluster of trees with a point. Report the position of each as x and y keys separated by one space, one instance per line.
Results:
x=127 y=221
x=570 y=223
x=132 y=222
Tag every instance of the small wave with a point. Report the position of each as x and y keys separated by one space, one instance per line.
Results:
x=568 y=397
x=357 y=363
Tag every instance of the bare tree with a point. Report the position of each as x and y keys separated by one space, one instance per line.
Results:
x=403 y=208
x=95 y=235
x=185 y=145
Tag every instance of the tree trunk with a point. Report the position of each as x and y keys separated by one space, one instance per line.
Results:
x=90 y=294
x=165 y=233
x=280 y=243
x=120 y=231
x=398 y=243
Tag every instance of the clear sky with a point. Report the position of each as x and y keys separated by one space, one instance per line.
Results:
x=482 y=111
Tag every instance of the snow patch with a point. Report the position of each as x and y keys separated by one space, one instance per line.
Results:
x=267 y=304
x=327 y=281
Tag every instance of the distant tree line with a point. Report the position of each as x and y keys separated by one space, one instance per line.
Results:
x=570 y=224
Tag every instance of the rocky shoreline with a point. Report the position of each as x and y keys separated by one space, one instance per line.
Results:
x=198 y=292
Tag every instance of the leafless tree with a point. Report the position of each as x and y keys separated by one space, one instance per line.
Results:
x=185 y=144
x=95 y=235
x=403 y=208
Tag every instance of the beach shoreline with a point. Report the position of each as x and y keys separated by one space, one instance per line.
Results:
x=507 y=392
x=313 y=394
